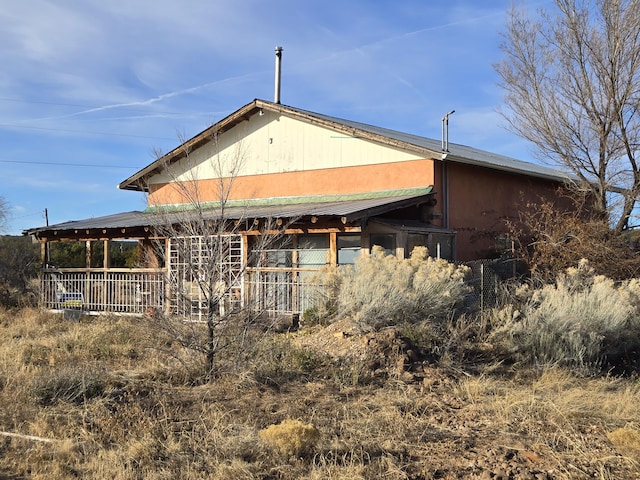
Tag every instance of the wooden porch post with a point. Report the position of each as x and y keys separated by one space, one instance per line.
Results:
x=245 y=270
x=167 y=286
x=86 y=289
x=87 y=256
x=333 y=248
x=401 y=245
x=106 y=297
x=295 y=276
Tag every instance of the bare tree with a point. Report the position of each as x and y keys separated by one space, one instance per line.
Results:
x=206 y=255
x=4 y=213
x=572 y=83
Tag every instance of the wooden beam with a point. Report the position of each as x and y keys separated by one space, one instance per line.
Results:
x=105 y=250
x=87 y=252
x=333 y=248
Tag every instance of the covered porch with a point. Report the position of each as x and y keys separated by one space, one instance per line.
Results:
x=276 y=279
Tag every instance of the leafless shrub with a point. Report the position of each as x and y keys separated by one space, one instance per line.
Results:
x=549 y=240
x=201 y=230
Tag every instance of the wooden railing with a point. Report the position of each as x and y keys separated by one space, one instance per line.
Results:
x=280 y=291
x=274 y=291
x=134 y=291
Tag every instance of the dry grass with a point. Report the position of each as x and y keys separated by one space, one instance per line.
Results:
x=626 y=440
x=145 y=423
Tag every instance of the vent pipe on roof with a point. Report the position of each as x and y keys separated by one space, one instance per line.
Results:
x=445 y=131
x=276 y=95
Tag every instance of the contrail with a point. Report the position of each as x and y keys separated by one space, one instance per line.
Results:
x=148 y=101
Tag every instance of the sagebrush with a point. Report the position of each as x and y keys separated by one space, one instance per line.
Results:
x=584 y=321
x=382 y=290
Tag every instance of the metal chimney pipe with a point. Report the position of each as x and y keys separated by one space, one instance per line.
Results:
x=276 y=95
x=445 y=131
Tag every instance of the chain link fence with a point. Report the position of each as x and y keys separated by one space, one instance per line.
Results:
x=487 y=280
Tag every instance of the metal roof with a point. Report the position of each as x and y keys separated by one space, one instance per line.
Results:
x=348 y=208
x=456 y=152
x=118 y=220
x=428 y=147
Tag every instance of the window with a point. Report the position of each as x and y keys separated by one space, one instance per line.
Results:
x=348 y=249
x=275 y=254
x=439 y=245
x=385 y=240
x=313 y=251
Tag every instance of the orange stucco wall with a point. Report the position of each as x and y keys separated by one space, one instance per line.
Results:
x=343 y=180
x=481 y=200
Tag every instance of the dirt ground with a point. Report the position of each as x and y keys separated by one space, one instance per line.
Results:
x=497 y=426
x=383 y=408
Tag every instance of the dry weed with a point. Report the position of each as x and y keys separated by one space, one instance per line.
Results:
x=291 y=437
x=626 y=440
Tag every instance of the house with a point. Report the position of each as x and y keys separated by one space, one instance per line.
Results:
x=333 y=187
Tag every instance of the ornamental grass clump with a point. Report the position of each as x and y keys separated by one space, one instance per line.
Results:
x=382 y=290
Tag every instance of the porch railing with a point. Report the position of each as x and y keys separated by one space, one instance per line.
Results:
x=281 y=291
x=124 y=290
x=274 y=291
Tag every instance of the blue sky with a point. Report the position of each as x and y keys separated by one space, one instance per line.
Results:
x=90 y=89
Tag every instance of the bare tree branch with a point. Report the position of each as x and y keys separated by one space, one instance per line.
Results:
x=207 y=254
x=572 y=84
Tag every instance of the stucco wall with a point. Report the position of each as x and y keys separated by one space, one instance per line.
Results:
x=481 y=200
x=339 y=181
x=271 y=143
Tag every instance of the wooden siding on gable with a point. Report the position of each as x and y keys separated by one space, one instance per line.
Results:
x=274 y=143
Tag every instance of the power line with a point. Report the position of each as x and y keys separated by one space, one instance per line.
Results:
x=37 y=214
x=70 y=164
x=83 y=132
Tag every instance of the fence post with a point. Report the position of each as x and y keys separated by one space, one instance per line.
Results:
x=481 y=290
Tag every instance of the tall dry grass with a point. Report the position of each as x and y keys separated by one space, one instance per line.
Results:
x=148 y=419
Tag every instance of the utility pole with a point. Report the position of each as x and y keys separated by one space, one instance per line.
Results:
x=46 y=243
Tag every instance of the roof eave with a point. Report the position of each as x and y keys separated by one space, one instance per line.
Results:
x=136 y=181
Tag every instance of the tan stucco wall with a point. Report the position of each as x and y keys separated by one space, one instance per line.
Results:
x=273 y=143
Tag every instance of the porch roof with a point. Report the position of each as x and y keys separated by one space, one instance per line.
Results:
x=139 y=224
